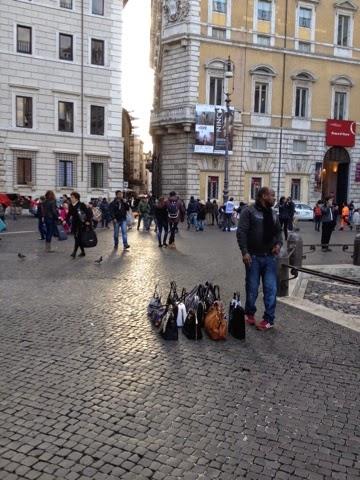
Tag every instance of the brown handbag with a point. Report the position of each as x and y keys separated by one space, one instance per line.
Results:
x=215 y=324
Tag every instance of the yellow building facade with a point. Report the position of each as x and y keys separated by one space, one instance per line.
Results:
x=296 y=65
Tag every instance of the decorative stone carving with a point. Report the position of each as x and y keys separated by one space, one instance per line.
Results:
x=176 y=10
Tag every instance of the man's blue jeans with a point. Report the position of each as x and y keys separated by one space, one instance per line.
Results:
x=117 y=225
x=264 y=267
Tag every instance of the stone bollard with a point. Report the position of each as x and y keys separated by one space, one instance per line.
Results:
x=295 y=243
x=282 y=273
x=356 y=257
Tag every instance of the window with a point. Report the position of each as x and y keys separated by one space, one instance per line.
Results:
x=219 y=6
x=97 y=175
x=299 y=146
x=97 y=52
x=340 y=105
x=260 y=99
x=97 y=7
x=66 y=170
x=295 y=188
x=24 y=170
x=97 y=120
x=65 y=47
x=255 y=186
x=343 y=31
x=24 y=115
x=216 y=91
x=66 y=4
x=259 y=143
x=301 y=102
x=264 y=10
x=305 y=15
x=23 y=39
x=304 y=47
x=213 y=187
x=263 y=40
x=219 y=33
x=66 y=117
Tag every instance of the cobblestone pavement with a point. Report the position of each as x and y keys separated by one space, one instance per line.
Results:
x=88 y=389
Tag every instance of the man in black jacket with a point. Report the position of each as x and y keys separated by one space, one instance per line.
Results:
x=259 y=238
x=118 y=210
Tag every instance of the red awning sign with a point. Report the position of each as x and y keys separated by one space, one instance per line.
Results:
x=340 y=133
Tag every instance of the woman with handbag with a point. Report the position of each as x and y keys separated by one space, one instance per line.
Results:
x=81 y=218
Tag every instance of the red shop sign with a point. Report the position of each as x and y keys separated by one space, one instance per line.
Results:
x=340 y=133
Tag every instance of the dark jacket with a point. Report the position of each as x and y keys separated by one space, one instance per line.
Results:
x=79 y=215
x=180 y=207
x=329 y=214
x=290 y=208
x=50 y=210
x=118 y=210
x=284 y=212
x=250 y=232
x=161 y=214
x=202 y=212
x=193 y=207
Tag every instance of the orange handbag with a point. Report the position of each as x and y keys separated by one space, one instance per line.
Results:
x=215 y=324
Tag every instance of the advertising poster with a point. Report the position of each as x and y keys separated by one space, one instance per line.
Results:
x=210 y=129
x=318 y=172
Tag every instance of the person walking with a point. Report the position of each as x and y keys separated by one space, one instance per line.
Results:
x=290 y=207
x=176 y=214
x=260 y=239
x=50 y=218
x=80 y=217
x=192 y=212
x=229 y=208
x=118 y=211
x=105 y=213
x=317 y=216
x=284 y=216
x=215 y=213
x=144 y=211
x=201 y=216
x=328 y=219
x=345 y=217
x=151 y=215
x=161 y=217
x=209 y=212
x=40 y=214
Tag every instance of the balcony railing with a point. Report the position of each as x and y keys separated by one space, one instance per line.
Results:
x=23 y=47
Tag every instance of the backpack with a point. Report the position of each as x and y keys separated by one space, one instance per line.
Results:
x=317 y=212
x=236 y=318
x=192 y=327
x=173 y=209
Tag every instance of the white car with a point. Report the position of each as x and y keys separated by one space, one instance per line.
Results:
x=303 y=211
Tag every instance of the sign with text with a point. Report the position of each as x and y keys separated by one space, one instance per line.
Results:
x=210 y=129
x=340 y=133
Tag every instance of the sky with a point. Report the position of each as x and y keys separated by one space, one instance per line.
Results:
x=137 y=74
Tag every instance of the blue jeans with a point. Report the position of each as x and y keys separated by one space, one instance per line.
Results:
x=200 y=225
x=50 y=229
x=160 y=228
x=264 y=267
x=117 y=225
x=192 y=220
x=42 y=228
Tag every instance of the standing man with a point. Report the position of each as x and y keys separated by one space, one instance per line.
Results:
x=192 y=212
x=118 y=209
x=229 y=208
x=328 y=223
x=259 y=238
x=176 y=214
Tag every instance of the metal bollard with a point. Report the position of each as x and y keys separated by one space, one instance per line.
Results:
x=282 y=273
x=295 y=243
x=356 y=257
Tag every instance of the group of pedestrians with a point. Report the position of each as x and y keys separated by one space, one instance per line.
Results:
x=199 y=213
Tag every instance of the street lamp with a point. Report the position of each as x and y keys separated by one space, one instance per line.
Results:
x=228 y=76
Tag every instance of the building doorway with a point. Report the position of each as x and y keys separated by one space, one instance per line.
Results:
x=335 y=174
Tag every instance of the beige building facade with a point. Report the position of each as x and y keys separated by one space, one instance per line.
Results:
x=296 y=65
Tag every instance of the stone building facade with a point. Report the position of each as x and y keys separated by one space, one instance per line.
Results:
x=60 y=97
x=296 y=65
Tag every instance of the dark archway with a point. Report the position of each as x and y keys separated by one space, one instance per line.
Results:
x=335 y=175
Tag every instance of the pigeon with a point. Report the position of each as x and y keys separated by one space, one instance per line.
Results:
x=20 y=255
x=99 y=260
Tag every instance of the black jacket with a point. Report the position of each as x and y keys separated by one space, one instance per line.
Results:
x=118 y=209
x=79 y=214
x=161 y=214
x=250 y=232
x=50 y=210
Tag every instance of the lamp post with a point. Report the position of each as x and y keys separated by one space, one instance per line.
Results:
x=228 y=75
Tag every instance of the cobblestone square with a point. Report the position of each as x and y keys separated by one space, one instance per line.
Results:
x=89 y=390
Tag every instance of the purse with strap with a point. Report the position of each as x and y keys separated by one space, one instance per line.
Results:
x=215 y=324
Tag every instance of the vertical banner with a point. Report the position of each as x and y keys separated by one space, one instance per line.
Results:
x=210 y=129
x=318 y=173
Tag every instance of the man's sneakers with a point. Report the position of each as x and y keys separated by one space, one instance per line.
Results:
x=250 y=319
x=264 y=325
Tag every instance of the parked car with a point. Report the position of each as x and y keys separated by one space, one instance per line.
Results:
x=303 y=211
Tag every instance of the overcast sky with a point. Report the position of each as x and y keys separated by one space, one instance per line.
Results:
x=137 y=75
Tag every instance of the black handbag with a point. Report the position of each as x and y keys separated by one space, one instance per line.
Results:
x=88 y=238
x=168 y=326
x=236 y=318
x=192 y=327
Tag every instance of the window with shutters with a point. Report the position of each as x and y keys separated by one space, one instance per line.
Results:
x=301 y=102
x=24 y=167
x=260 y=97
x=24 y=112
x=98 y=171
x=340 y=104
x=216 y=91
x=343 y=30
